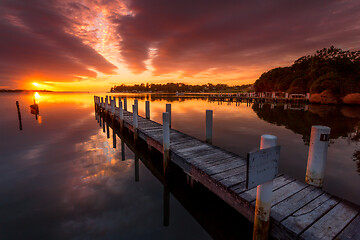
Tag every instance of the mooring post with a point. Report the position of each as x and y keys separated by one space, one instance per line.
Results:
x=319 y=141
x=209 y=126
x=125 y=103
x=106 y=102
x=135 y=122
x=119 y=101
x=19 y=115
x=263 y=198
x=113 y=106
x=168 y=110
x=147 y=109
x=121 y=115
x=102 y=102
x=166 y=141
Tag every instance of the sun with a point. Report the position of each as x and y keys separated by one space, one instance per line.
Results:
x=35 y=84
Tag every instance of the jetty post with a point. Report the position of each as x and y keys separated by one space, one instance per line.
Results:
x=121 y=115
x=319 y=141
x=263 y=197
x=135 y=122
x=125 y=103
x=209 y=126
x=119 y=101
x=102 y=102
x=166 y=141
x=112 y=102
x=168 y=110
x=147 y=109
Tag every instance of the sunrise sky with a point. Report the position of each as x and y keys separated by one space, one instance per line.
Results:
x=91 y=45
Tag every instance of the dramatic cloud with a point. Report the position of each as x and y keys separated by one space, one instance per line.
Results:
x=35 y=40
x=194 y=36
x=201 y=41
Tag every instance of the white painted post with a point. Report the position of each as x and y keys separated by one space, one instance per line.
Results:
x=166 y=140
x=286 y=95
x=273 y=95
x=136 y=103
x=319 y=141
x=135 y=116
x=168 y=110
x=209 y=126
x=307 y=96
x=135 y=122
x=125 y=103
x=147 y=109
x=121 y=112
x=263 y=198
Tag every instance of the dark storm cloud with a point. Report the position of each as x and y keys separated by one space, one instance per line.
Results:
x=194 y=36
x=35 y=39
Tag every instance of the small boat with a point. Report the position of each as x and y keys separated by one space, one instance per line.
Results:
x=34 y=108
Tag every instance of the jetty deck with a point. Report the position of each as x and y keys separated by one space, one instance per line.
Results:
x=299 y=211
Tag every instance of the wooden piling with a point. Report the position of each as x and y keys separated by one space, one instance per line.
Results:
x=135 y=122
x=209 y=126
x=166 y=141
x=125 y=103
x=168 y=110
x=147 y=109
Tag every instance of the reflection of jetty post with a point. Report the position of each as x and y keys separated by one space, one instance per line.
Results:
x=209 y=126
x=166 y=140
x=19 y=115
x=147 y=109
x=166 y=205
x=319 y=141
x=122 y=150
x=103 y=124
x=107 y=130
x=114 y=138
x=263 y=197
x=136 y=168
x=168 y=110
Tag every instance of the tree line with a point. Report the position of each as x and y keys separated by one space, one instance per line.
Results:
x=330 y=69
x=180 y=87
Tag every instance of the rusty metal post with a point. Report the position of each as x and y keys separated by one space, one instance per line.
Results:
x=319 y=141
x=263 y=198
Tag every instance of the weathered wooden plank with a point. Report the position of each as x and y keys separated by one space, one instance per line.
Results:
x=217 y=158
x=235 y=179
x=298 y=221
x=278 y=182
x=286 y=191
x=229 y=173
x=352 y=231
x=332 y=223
x=285 y=208
x=222 y=165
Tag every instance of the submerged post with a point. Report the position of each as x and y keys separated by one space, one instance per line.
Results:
x=319 y=141
x=263 y=198
x=166 y=141
x=147 y=109
x=209 y=126
x=19 y=115
x=168 y=110
x=125 y=103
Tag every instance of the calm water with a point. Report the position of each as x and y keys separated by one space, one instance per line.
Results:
x=60 y=177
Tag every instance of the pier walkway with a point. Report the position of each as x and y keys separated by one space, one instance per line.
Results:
x=299 y=211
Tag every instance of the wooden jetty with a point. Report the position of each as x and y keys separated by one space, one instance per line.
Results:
x=298 y=210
